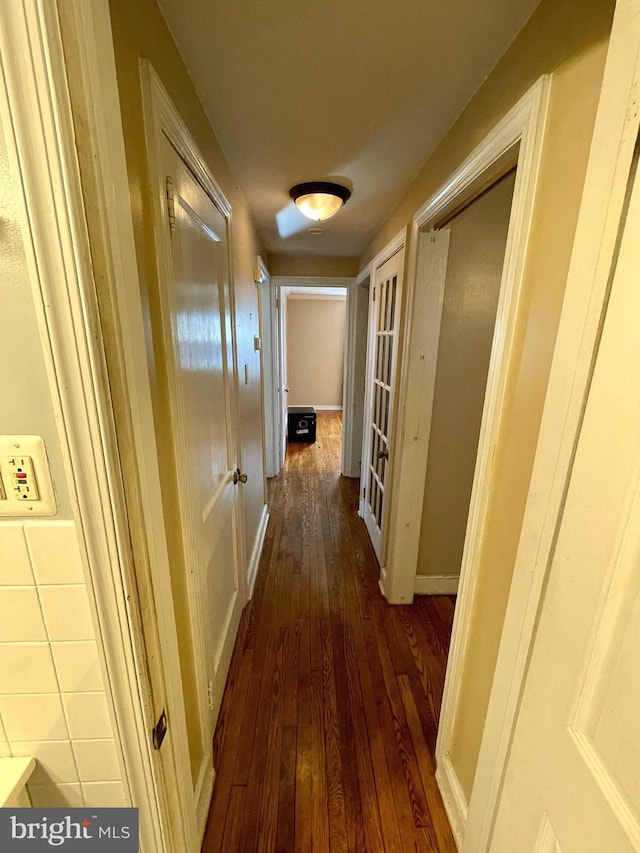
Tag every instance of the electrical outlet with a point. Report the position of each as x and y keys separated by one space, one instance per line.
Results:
x=25 y=488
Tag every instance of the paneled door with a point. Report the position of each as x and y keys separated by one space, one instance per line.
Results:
x=382 y=346
x=202 y=510
x=572 y=780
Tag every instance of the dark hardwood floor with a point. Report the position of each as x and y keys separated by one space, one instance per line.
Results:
x=326 y=736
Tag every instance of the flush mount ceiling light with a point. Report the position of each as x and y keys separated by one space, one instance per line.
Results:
x=319 y=199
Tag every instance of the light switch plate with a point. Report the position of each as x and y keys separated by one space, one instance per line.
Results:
x=30 y=449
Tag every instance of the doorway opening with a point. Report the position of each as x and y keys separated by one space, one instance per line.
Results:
x=477 y=238
x=434 y=411
x=310 y=345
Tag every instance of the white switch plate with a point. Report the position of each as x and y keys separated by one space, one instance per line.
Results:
x=30 y=448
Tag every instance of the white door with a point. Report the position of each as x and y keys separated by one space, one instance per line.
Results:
x=573 y=777
x=198 y=348
x=384 y=315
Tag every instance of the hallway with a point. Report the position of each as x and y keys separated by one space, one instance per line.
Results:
x=327 y=732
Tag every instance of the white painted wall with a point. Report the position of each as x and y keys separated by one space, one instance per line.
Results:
x=53 y=704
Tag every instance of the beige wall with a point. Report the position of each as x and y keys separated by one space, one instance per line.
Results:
x=567 y=38
x=315 y=350
x=139 y=31
x=313 y=265
x=474 y=269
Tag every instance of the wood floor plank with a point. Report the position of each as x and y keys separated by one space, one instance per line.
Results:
x=445 y=840
x=328 y=723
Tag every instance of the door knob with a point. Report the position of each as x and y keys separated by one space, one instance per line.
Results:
x=238 y=477
x=383 y=454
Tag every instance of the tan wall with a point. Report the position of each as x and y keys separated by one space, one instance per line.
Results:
x=315 y=350
x=139 y=31
x=327 y=265
x=474 y=270
x=569 y=39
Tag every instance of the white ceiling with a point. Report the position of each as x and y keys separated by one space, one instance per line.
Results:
x=302 y=90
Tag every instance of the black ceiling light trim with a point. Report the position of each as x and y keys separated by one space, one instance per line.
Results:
x=329 y=187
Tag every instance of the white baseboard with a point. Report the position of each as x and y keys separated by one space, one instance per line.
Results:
x=436 y=584
x=453 y=797
x=254 y=562
x=318 y=408
x=382 y=582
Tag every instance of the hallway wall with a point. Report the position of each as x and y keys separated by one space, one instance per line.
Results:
x=139 y=31
x=567 y=38
x=315 y=350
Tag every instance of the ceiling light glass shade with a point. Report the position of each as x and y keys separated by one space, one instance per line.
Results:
x=319 y=200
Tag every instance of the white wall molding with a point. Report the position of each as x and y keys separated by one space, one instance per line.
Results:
x=319 y=281
x=256 y=551
x=436 y=584
x=453 y=797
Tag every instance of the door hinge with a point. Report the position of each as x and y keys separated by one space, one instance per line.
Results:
x=160 y=730
x=210 y=696
x=171 y=204
x=374 y=294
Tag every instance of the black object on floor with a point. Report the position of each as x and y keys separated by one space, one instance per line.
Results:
x=301 y=424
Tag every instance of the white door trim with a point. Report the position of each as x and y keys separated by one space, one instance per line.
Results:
x=270 y=414
x=519 y=134
x=41 y=144
x=350 y=442
x=594 y=256
x=523 y=126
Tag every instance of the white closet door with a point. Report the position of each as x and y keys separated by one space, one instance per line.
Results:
x=572 y=781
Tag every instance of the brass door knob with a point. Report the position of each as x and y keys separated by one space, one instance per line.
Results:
x=383 y=454
x=239 y=478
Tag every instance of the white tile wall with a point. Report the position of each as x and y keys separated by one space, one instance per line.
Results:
x=5 y=750
x=87 y=715
x=52 y=700
x=78 y=666
x=54 y=552
x=97 y=760
x=66 y=612
x=15 y=565
x=60 y=796
x=108 y=795
x=21 y=615
x=27 y=668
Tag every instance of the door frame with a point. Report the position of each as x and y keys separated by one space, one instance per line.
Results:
x=268 y=324
x=121 y=537
x=395 y=245
x=518 y=136
x=612 y=160
x=280 y=285
x=352 y=439
x=163 y=121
